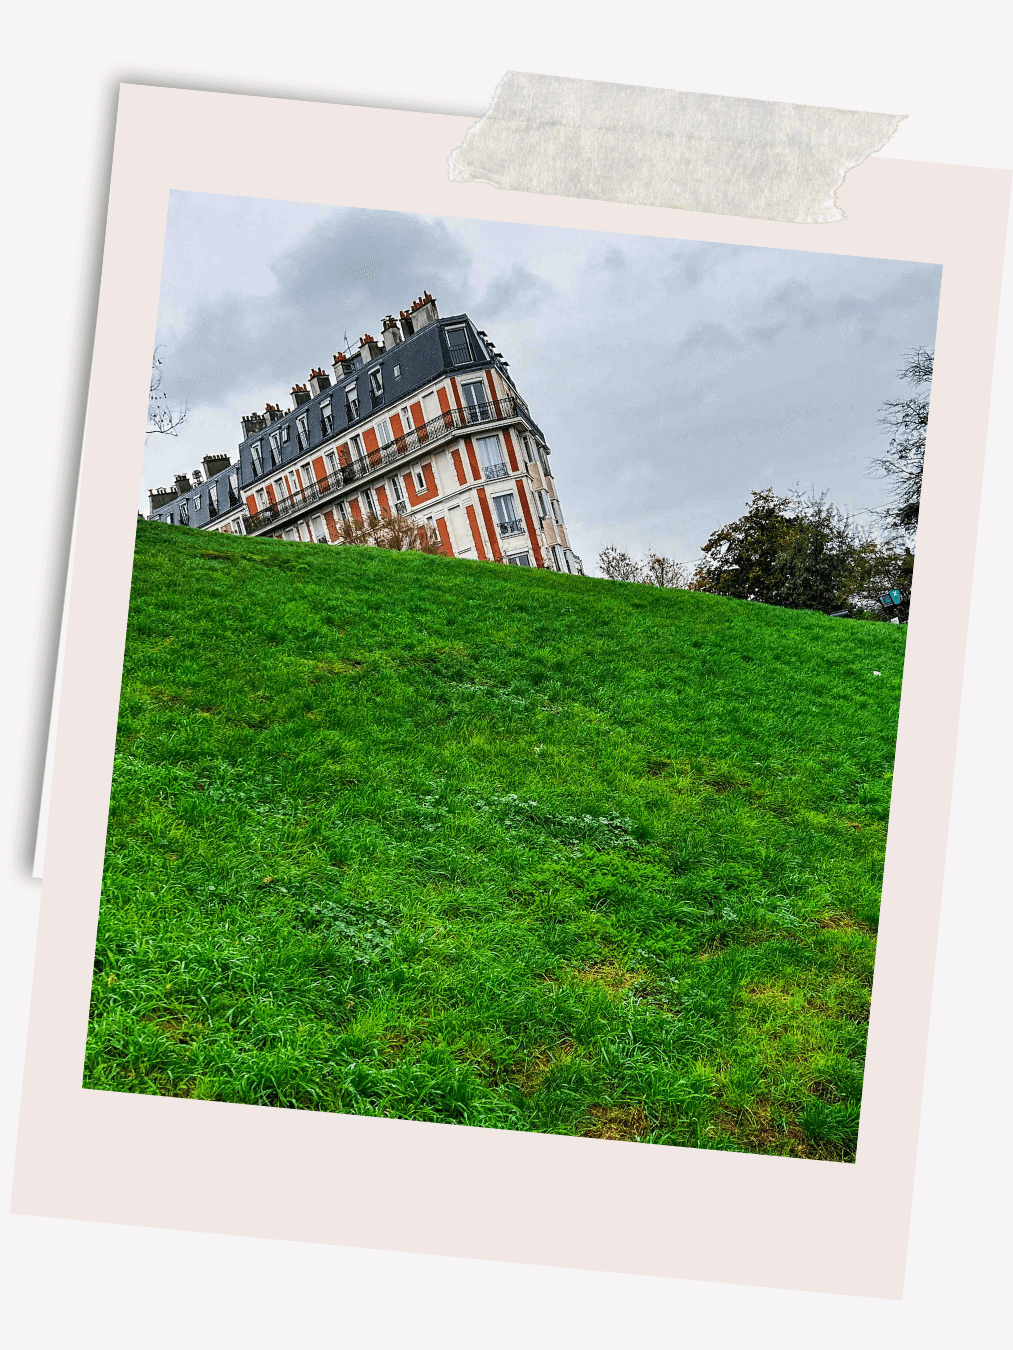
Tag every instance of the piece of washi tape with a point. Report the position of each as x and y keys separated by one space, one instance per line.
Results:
x=660 y=147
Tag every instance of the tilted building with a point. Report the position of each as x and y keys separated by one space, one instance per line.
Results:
x=425 y=423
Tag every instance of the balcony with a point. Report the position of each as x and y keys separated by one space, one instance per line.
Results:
x=428 y=436
x=492 y=471
x=511 y=527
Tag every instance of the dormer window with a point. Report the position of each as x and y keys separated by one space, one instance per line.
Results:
x=376 y=383
x=303 y=431
x=275 y=449
x=351 y=402
x=460 y=347
x=326 y=417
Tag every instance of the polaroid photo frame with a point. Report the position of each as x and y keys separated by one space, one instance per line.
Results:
x=447 y=1189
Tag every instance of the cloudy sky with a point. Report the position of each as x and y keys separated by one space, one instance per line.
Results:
x=669 y=377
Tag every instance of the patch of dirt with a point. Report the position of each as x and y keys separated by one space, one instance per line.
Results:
x=617 y=1122
x=755 y=1131
x=655 y=768
x=609 y=976
x=530 y=1075
x=843 y=923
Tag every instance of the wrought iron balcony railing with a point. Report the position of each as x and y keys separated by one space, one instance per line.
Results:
x=507 y=527
x=491 y=471
x=425 y=437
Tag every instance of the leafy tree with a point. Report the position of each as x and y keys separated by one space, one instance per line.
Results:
x=799 y=552
x=618 y=566
x=162 y=421
x=907 y=420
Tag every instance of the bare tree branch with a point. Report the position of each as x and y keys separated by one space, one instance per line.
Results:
x=162 y=421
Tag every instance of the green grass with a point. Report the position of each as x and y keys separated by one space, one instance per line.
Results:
x=400 y=835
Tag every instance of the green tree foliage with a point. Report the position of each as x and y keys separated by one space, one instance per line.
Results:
x=799 y=552
x=907 y=420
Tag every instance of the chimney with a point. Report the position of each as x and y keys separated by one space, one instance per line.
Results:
x=159 y=496
x=272 y=411
x=343 y=365
x=423 y=311
x=182 y=484
x=369 y=348
x=300 y=394
x=319 y=381
x=252 y=424
x=407 y=327
x=214 y=464
x=391 y=332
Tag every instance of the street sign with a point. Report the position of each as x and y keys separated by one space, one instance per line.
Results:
x=896 y=597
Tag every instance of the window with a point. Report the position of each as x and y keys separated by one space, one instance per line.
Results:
x=196 y=502
x=257 y=458
x=544 y=462
x=286 y=433
x=213 y=495
x=460 y=348
x=184 y=514
x=279 y=490
x=397 y=372
x=400 y=505
x=237 y=526
x=307 y=477
x=420 y=480
x=406 y=420
x=556 y=512
x=343 y=510
x=369 y=503
x=331 y=460
x=506 y=514
x=275 y=449
x=358 y=453
x=351 y=402
x=234 y=485
x=376 y=384
x=318 y=530
x=384 y=432
x=476 y=401
x=263 y=501
x=326 y=417
x=490 y=453
x=557 y=557
x=303 y=431
x=519 y=560
x=542 y=498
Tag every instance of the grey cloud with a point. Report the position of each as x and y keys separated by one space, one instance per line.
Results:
x=520 y=287
x=343 y=276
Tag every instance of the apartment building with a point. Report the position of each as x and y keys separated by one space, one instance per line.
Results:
x=424 y=423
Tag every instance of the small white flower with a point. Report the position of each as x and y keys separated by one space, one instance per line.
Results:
x=877 y=672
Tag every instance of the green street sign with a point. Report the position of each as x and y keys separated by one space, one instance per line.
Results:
x=896 y=597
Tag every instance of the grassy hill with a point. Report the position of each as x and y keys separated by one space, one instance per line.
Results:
x=401 y=835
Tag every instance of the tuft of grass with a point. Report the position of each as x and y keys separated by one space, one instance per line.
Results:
x=401 y=835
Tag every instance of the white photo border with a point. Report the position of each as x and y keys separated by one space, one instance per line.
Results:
x=448 y=1189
